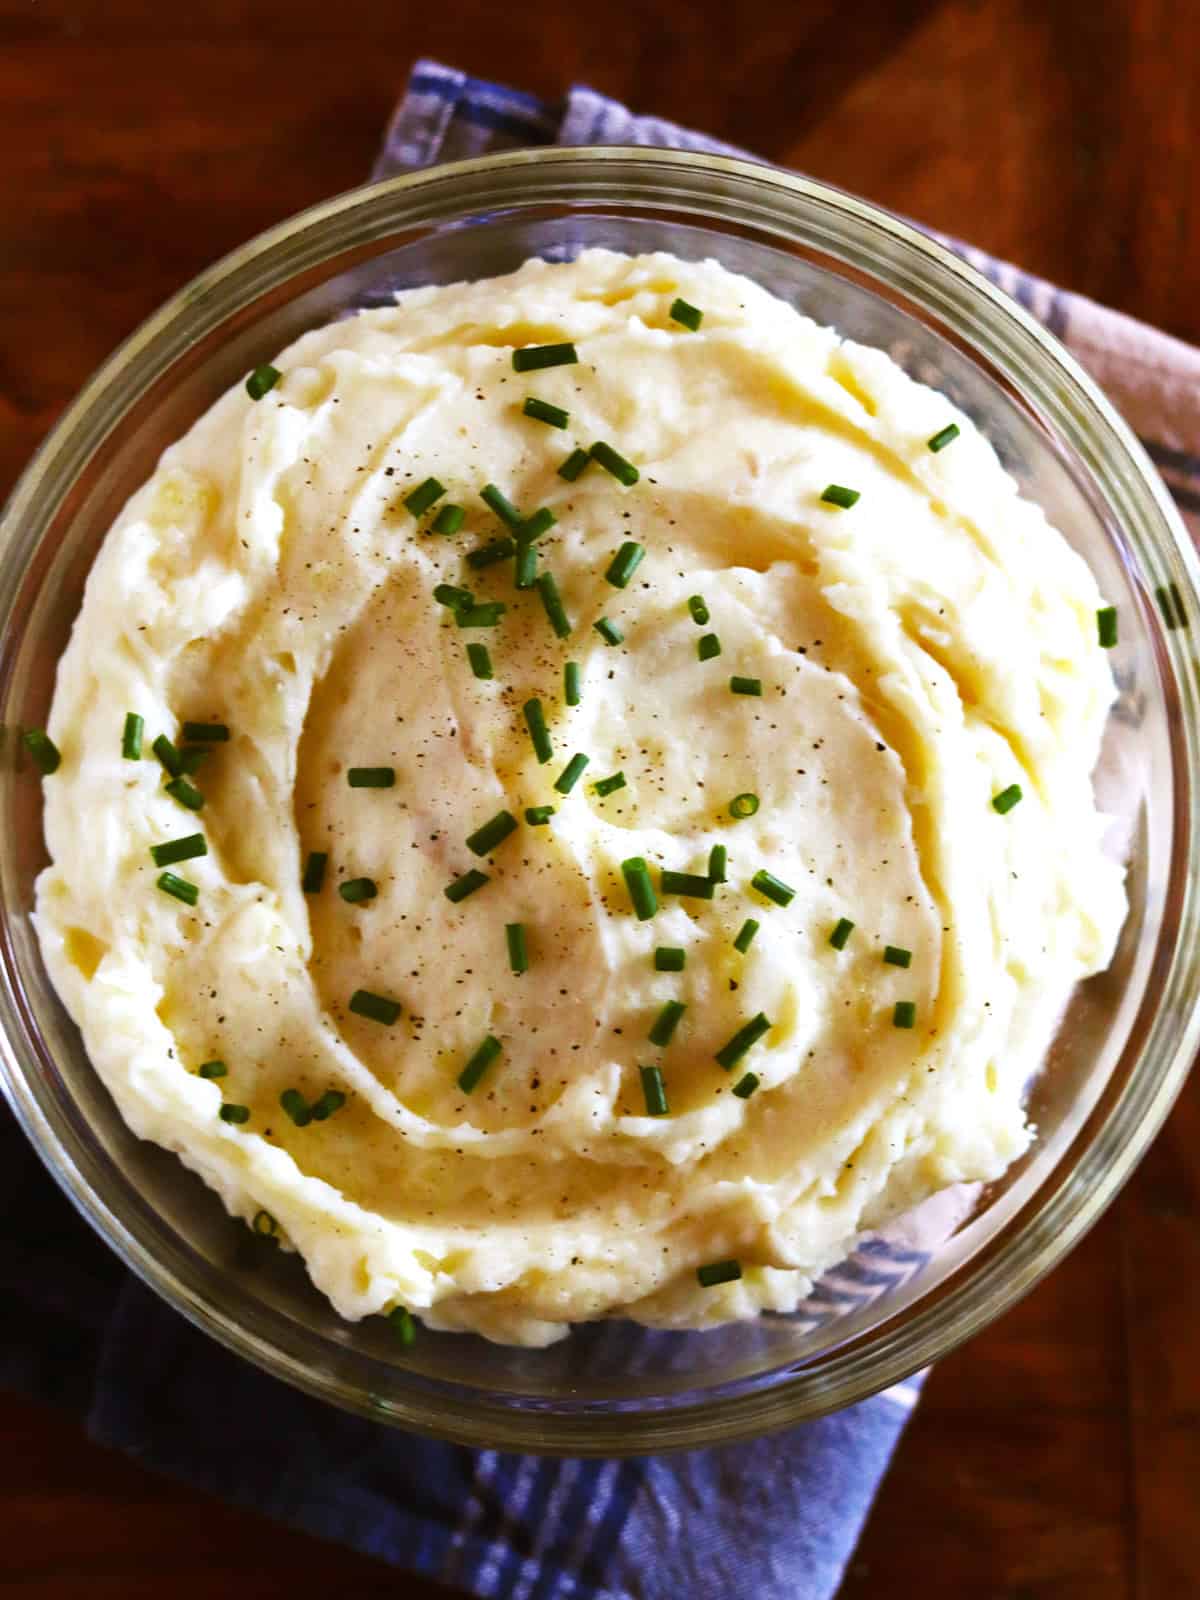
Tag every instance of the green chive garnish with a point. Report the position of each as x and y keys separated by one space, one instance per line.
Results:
x=452 y=597
x=323 y=1108
x=518 y=955
x=1007 y=798
x=314 y=871
x=698 y=609
x=606 y=786
x=895 y=956
x=1106 y=627
x=486 y=615
x=264 y=1225
x=837 y=495
x=718 y=1272
x=746 y=1085
x=543 y=411
x=357 y=890
x=666 y=1022
x=449 y=519
x=403 y=1324
x=166 y=855
x=465 y=885
x=669 y=958
x=42 y=749
x=743 y=1040
x=745 y=685
x=186 y=793
x=535 y=526
x=608 y=631
x=193 y=758
x=718 y=858
x=745 y=935
x=743 y=806
x=296 y=1106
x=262 y=380
x=371 y=777
x=234 y=1113
x=167 y=755
x=687 y=316
x=654 y=1090
x=535 y=721
x=552 y=603
x=641 y=891
x=905 y=1014
x=468 y=1078
x=131 y=736
x=625 y=563
x=487 y=555
x=574 y=465
x=571 y=773
x=212 y=1069
x=525 y=566
x=1170 y=603
x=538 y=816
x=841 y=933
x=204 y=733
x=423 y=496
x=691 y=885
x=571 y=687
x=537 y=357
x=605 y=456
x=499 y=502
x=179 y=888
x=375 y=1007
x=485 y=839
x=708 y=647
x=481 y=661
x=944 y=436
x=772 y=888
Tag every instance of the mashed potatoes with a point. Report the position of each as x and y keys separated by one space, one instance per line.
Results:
x=904 y=660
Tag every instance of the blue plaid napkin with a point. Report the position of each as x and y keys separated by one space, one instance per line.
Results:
x=776 y=1519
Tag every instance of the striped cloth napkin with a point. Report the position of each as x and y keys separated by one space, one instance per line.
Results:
x=776 y=1519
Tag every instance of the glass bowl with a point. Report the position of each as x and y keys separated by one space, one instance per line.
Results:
x=1128 y=1037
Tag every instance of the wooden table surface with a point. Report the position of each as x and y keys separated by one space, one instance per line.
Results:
x=1058 y=1455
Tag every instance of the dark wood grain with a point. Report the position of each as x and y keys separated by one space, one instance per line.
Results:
x=1057 y=1456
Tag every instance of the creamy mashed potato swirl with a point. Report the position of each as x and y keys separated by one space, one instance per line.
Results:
x=919 y=653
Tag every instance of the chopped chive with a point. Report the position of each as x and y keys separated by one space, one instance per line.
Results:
x=718 y=1272
x=608 y=631
x=486 y=615
x=481 y=661
x=403 y=1324
x=525 y=566
x=625 y=563
x=234 y=1113
x=552 y=604
x=165 y=855
x=449 y=519
x=575 y=465
x=193 y=758
x=535 y=526
x=718 y=858
x=772 y=888
x=687 y=316
x=745 y=685
x=571 y=689
x=1170 y=603
x=743 y=806
x=375 y=1007
x=663 y=1029
x=944 y=436
x=538 y=816
x=708 y=647
x=896 y=956
x=423 y=496
x=654 y=1091
x=324 y=1107
x=537 y=357
x=131 y=736
x=485 y=839
x=314 y=871
x=571 y=773
x=543 y=411
x=42 y=749
x=178 y=888
x=605 y=456
x=691 y=885
x=840 y=936
x=837 y=495
x=669 y=958
x=262 y=380
x=1106 y=627
x=497 y=501
x=518 y=955
x=535 y=721
x=905 y=1014
x=698 y=609
x=264 y=1225
x=204 y=733
x=487 y=555
x=465 y=885
x=186 y=793
x=357 y=890
x=641 y=891
x=296 y=1106
x=743 y=1040
x=212 y=1069
x=167 y=755
x=371 y=777
x=746 y=1085
x=1006 y=799
x=606 y=786
x=452 y=597
x=478 y=1064
x=745 y=935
